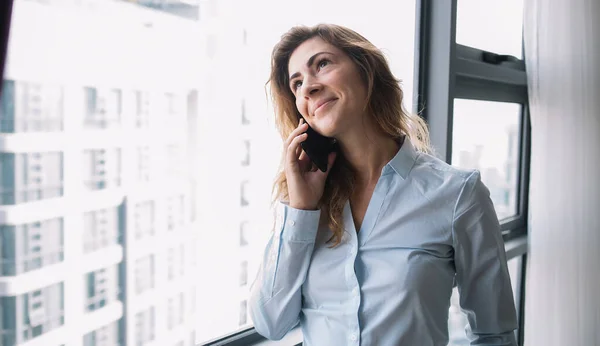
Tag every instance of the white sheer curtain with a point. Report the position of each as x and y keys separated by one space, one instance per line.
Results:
x=562 y=48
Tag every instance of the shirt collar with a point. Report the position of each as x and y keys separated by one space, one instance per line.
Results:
x=403 y=161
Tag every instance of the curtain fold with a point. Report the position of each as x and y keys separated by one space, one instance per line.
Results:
x=562 y=51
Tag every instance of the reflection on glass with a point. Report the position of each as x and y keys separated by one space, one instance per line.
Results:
x=486 y=137
x=494 y=26
x=457 y=320
x=133 y=120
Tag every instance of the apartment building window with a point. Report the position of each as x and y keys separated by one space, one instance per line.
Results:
x=181 y=309
x=243 y=273
x=246 y=153
x=244 y=229
x=175 y=311
x=30 y=107
x=142 y=112
x=144 y=221
x=108 y=335
x=30 y=246
x=30 y=177
x=175 y=212
x=181 y=260
x=143 y=163
x=243 y=319
x=144 y=327
x=102 y=288
x=102 y=168
x=170 y=264
x=31 y=314
x=103 y=107
x=244 y=202
x=144 y=274
x=245 y=119
x=175 y=160
x=173 y=105
x=101 y=229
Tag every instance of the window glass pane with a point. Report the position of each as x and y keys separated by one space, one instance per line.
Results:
x=155 y=98
x=457 y=320
x=494 y=26
x=485 y=136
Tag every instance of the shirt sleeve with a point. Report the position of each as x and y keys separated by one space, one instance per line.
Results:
x=275 y=295
x=481 y=270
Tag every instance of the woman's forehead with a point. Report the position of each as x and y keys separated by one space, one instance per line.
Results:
x=301 y=55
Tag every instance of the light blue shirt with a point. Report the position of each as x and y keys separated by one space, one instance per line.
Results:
x=429 y=226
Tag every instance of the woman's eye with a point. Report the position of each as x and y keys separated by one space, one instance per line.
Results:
x=323 y=63
x=297 y=84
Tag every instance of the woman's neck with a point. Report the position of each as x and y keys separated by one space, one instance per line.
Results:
x=368 y=151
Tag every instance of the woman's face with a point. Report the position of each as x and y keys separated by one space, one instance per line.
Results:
x=330 y=93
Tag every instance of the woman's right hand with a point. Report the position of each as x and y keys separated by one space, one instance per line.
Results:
x=304 y=181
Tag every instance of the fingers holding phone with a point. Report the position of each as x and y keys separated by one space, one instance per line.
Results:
x=305 y=184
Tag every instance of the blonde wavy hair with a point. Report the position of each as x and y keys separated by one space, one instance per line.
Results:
x=384 y=104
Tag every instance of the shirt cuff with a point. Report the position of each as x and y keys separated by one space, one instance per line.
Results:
x=296 y=224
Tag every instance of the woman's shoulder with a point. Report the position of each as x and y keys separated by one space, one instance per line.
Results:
x=434 y=173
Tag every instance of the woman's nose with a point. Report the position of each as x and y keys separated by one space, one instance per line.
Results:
x=311 y=88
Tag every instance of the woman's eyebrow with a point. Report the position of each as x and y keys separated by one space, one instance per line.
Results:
x=310 y=61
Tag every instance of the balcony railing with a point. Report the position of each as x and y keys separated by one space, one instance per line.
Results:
x=31 y=125
x=20 y=266
x=12 y=196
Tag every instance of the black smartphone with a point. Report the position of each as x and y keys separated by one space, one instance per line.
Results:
x=318 y=148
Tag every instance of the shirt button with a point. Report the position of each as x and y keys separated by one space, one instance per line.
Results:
x=355 y=291
x=292 y=223
x=353 y=337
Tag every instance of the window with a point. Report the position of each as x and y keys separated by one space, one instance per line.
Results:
x=102 y=168
x=175 y=212
x=494 y=26
x=142 y=119
x=34 y=251
x=244 y=229
x=33 y=313
x=102 y=288
x=144 y=219
x=190 y=112
x=108 y=335
x=171 y=264
x=481 y=120
x=244 y=273
x=100 y=229
x=30 y=177
x=246 y=153
x=486 y=137
x=103 y=107
x=244 y=194
x=144 y=327
x=31 y=107
x=143 y=163
x=144 y=274
x=243 y=313
x=245 y=119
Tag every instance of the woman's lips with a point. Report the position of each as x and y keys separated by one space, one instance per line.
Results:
x=325 y=104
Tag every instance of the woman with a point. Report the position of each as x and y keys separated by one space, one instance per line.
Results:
x=367 y=252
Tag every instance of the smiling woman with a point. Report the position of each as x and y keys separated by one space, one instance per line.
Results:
x=368 y=251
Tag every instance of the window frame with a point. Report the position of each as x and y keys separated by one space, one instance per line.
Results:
x=459 y=71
